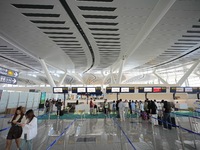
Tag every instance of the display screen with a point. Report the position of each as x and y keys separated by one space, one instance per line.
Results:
x=147 y=89
x=114 y=90
x=188 y=89
x=60 y=90
x=108 y=89
x=91 y=90
x=172 y=89
x=81 y=90
x=126 y=90
x=98 y=89
x=57 y=90
x=141 y=89
x=179 y=89
x=157 y=89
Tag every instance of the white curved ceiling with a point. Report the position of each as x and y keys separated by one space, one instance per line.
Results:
x=91 y=37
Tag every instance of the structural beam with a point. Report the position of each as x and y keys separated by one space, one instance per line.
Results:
x=62 y=79
x=120 y=71
x=187 y=74
x=160 y=78
x=49 y=77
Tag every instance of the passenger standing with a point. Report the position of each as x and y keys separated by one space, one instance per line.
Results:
x=153 y=112
x=59 y=107
x=91 y=107
x=29 y=125
x=117 y=108
x=15 y=131
x=114 y=107
x=47 y=105
x=130 y=108
x=106 y=107
x=166 y=115
x=126 y=108
x=121 y=110
x=133 y=107
x=95 y=107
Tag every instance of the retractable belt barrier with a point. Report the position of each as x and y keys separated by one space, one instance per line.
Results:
x=185 y=115
x=125 y=134
x=174 y=125
x=5 y=116
x=56 y=140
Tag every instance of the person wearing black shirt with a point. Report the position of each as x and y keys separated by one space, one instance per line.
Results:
x=166 y=115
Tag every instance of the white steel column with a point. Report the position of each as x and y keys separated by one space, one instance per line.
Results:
x=120 y=71
x=49 y=77
x=161 y=79
x=111 y=75
x=187 y=74
x=63 y=78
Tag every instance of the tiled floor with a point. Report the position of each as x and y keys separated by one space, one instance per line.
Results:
x=106 y=134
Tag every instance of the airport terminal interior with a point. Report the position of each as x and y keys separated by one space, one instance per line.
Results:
x=72 y=61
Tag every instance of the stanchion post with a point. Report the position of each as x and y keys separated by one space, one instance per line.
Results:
x=195 y=146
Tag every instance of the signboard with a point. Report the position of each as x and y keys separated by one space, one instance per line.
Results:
x=115 y=89
x=148 y=89
x=91 y=90
x=42 y=97
x=8 y=72
x=81 y=90
x=108 y=89
x=159 y=89
x=60 y=90
x=8 y=80
x=124 y=90
x=127 y=89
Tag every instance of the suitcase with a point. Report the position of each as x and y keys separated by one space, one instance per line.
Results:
x=144 y=115
x=159 y=120
x=173 y=122
x=61 y=113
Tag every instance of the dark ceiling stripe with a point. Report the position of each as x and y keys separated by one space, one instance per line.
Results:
x=11 y=60
x=177 y=57
x=71 y=15
x=30 y=6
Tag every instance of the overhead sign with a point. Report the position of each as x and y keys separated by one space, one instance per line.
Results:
x=8 y=72
x=8 y=80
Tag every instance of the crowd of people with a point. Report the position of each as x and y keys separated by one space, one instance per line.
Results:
x=158 y=113
x=53 y=105
x=23 y=129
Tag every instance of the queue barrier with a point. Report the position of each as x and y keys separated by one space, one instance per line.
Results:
x=125 y=135
x=56 y=140
x=180 y=128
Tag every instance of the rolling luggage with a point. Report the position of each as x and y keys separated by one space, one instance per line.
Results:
x=159 y=120
x=144 y=115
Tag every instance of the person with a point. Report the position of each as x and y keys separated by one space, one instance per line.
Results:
x=95 y=107
x=133 y=107
x=15 y=131
x=59 y=106
x=126 y=105
x=47 y=105
x=117 y=108
x=130 y=108
x=153 y=112
x=91 y=107
x=29 y=125
x=176 y=106
x=114 y=107
x=106 y=107
x=166 y=115
x=121 y=110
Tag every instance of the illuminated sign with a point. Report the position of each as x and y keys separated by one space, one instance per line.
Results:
x=8 y=72
x=8 y=80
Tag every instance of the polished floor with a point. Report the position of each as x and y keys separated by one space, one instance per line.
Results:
x=107 y=134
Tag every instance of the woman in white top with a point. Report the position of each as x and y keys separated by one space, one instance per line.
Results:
x=29 y=124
